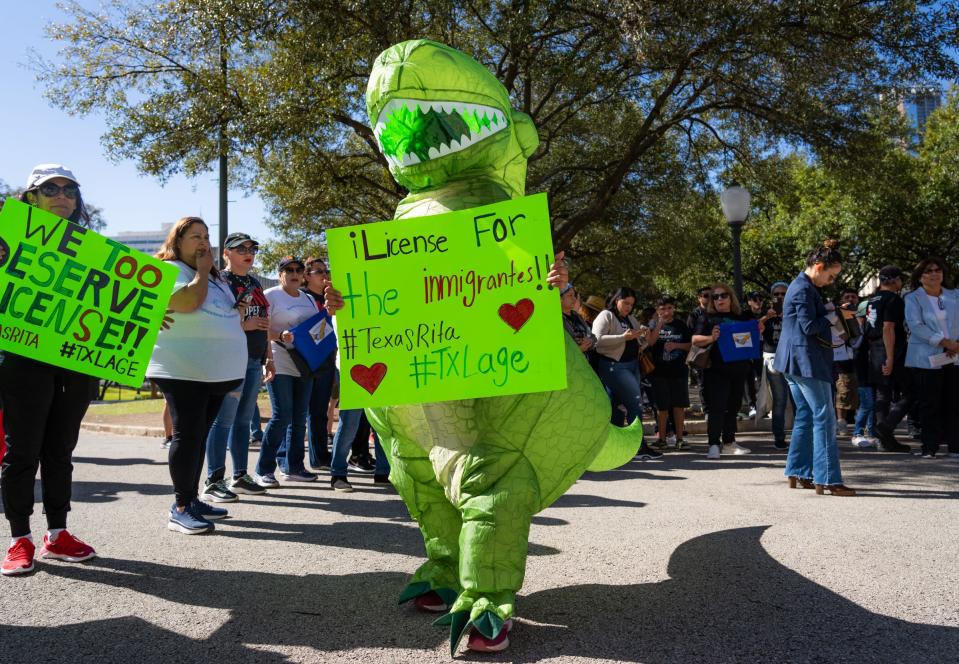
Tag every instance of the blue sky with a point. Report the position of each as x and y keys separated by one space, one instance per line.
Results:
x=34 y=133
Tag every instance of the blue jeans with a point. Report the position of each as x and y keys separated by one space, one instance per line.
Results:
x=866 y=415
x=343 y=441
x=256 y=431
x=813 y=450
x=284 y=433
x=622 y=379
x=232 y=424
x=780 y=391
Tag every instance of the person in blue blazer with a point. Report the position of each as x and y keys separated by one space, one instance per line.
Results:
x=932 y=316
x=804 y=357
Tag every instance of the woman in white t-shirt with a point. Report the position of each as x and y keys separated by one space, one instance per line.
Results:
x=195 y=362
x=932 y=316
x=289 y=391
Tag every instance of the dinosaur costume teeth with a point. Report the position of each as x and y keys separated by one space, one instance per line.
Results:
x=411 y=131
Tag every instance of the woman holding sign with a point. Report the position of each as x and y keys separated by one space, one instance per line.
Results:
x=195 y=363
x=804 y=355
x=723 y=382
x=42 y=409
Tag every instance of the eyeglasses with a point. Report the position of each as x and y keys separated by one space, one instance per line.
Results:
x=243 y=251
x=318 y=272
x=933 y=270
x=720 y=296
x=293 y=270
x=51 y=189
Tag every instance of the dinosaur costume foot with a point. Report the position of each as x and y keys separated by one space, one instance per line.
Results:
x=488 y=617
x=428 y=598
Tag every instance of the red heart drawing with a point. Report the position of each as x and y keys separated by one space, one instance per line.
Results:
x=516 y=315
x=369 y=378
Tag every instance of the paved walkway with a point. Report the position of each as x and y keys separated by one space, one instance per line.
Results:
x=682 y=560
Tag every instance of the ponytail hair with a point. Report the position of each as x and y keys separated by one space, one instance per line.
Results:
x=827 y=254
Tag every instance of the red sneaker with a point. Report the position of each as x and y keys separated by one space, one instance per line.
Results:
x=19 y=558
x=431 y=602
x=66 y=547
x=479 y=643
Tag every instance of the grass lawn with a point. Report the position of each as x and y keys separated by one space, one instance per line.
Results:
x=148 y=406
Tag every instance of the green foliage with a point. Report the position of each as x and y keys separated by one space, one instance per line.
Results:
x=638 y=105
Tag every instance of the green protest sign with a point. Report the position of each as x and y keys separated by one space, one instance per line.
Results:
x=447 y=307
x=75 y=299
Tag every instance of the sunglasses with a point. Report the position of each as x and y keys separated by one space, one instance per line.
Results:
x=720 y=296
x=293 y=270
x=50 y=189
x=933 y=270
x=779 y=295
x=318 y=272
x=243 y=251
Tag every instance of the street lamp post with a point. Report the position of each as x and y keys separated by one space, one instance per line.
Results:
x=735 y=202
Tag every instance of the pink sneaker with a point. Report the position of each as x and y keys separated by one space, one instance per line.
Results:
x=66 y=547
x=19 y=558
x=479 y=643
x=431 y=602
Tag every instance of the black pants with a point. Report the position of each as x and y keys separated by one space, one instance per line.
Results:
x=319 y=407
x=193 y=407
x=937 y=391
x=890 y=408
x=42 y=410
x=361 y=441
x=724 y=385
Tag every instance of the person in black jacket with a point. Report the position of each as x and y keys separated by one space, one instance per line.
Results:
x=43 y=407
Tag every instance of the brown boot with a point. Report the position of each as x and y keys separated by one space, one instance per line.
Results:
x=835 y=490
x=797 y=482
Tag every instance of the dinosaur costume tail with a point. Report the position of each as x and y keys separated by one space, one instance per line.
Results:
x=619 y=447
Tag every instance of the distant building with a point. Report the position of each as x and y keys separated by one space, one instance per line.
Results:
x=918 y=102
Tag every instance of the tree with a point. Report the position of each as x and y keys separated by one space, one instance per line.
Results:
x=625 y=95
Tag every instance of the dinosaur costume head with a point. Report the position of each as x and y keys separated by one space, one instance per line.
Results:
x=439 y=116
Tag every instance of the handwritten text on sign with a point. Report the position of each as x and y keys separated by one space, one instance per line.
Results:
x=75 y=299
x=447 y=307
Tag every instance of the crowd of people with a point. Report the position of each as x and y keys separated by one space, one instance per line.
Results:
x=869 y=364
x=892 y=356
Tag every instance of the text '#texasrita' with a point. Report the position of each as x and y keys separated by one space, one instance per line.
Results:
x=468 y=283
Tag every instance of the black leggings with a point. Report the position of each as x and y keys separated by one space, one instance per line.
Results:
x=193 y=407
x=43 y=408
x=937 y=392
x=724 y=385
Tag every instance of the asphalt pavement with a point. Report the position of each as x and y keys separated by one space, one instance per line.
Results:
x=680 y=560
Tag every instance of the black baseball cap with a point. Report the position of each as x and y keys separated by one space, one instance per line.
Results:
x=234 y=240
x=288 y=260
x=890 y=273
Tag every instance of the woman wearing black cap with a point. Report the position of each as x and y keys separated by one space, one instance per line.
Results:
x=43 y=406
x=289 y=390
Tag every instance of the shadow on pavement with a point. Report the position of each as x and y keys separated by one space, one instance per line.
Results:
x=727 y=600
x=104 y=461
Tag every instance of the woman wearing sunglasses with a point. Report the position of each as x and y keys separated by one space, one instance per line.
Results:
x=195 y=363
x=932 y=316
x=804 y=356
x=43 y=406
x=723 y=382
x=289 y=391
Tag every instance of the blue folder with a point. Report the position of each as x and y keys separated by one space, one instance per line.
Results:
x=740 y=341
x=315 y=339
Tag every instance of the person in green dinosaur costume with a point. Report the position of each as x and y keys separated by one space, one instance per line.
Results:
x=474 y=472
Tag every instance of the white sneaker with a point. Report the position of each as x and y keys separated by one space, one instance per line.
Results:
x=713 y=452
x=671 y=440
x=859 y=441
x=267 y=481
x=872 y=442
x=736 y=448
x=752 y=412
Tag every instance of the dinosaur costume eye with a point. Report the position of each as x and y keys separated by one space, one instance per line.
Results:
x=411 y=131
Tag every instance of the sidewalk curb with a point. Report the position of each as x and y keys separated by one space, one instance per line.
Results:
x=695 y=427
x=123 y=429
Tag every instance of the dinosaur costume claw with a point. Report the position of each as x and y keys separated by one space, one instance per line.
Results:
x=474 y=472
